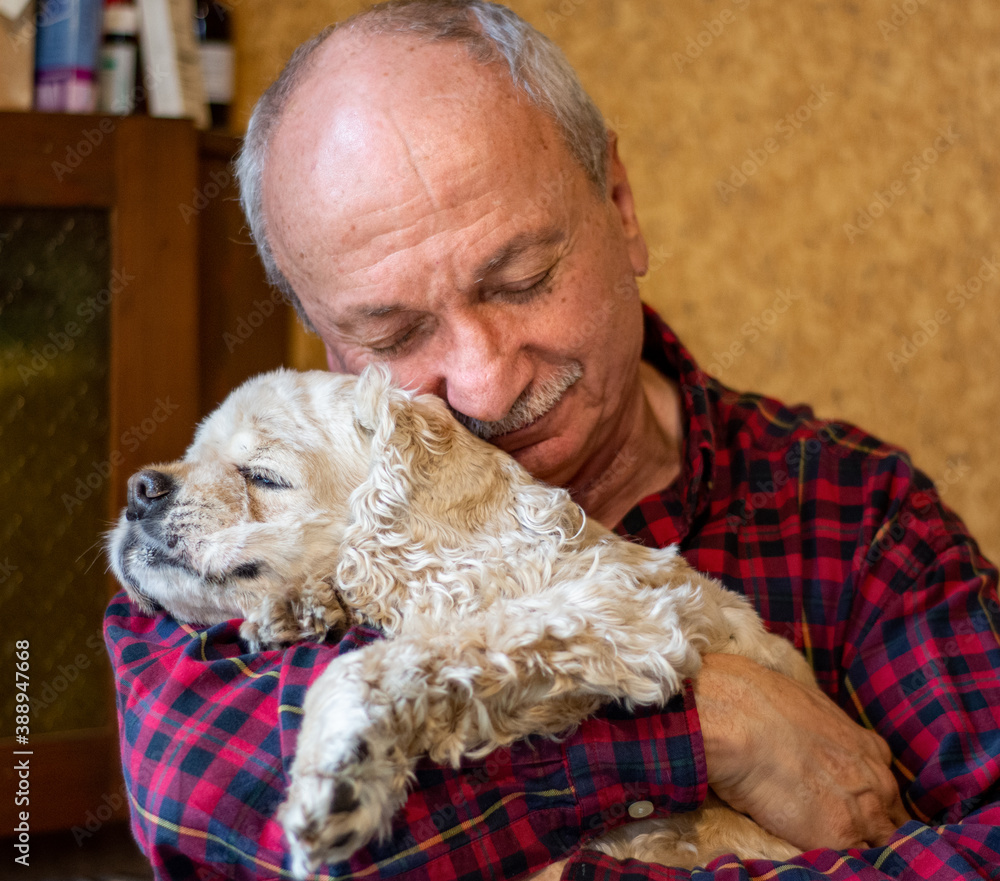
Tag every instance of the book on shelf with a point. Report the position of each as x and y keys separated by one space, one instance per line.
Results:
x=17 y=58
x=171 y=63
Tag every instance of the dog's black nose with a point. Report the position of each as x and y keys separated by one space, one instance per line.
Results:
x=148 y=491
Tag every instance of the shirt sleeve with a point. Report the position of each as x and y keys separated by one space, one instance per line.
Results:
x=921 y=665
x=954 y=852
x=208 y=732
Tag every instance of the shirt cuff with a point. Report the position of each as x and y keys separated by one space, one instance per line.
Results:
x=647 y=763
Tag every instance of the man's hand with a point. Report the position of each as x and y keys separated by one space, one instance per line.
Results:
x=791 y=759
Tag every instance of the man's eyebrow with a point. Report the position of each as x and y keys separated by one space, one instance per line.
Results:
x=358 y=315
x=518 y=246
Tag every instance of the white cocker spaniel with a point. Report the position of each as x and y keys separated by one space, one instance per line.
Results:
x=308 y=500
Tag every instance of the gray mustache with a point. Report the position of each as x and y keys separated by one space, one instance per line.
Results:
x=533 y=403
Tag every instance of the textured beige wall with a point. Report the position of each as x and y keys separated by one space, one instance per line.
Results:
x=818 y=187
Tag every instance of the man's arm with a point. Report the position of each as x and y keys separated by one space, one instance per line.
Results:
x=957 y=852
x=792 y=759
x=919 y=652
x=208 y=732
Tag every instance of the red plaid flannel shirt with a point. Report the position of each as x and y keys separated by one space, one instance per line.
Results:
x=840 y=543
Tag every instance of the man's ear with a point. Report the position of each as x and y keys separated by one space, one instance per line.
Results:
x=620 y=195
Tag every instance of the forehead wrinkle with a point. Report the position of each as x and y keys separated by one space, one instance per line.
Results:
x=520 y=244
x=411 y=160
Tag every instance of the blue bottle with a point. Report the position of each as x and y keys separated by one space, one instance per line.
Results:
x=67 y=43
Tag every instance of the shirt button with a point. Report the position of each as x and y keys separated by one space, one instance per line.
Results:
x=639 y=809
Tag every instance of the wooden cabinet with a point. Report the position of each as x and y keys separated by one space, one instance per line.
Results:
x=127 y=283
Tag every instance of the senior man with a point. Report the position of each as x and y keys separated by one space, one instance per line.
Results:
x=434 y=191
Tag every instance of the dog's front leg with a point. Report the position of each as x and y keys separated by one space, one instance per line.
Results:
x=537 y=665
x=355 y=754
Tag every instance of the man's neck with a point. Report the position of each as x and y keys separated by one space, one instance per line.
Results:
x=649 y=457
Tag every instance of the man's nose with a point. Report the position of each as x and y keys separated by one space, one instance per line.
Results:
x=485 y=370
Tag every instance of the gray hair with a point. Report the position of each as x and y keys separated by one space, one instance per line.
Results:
x=491 y=34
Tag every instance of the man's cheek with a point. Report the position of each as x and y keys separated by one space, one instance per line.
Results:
x=592 y=325
x=336 y=362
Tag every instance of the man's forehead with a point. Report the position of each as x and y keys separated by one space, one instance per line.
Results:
x=372 y=102
x=395 y=74
x=360 y=138
x=373 y=168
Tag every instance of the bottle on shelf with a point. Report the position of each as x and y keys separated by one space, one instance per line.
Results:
x=213 y=26
x=119 y=57
x=67 y=41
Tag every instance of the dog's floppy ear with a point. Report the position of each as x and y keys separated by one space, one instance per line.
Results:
x=410 y=435
x=428 y=484
x=406 y=430
x=373 y=397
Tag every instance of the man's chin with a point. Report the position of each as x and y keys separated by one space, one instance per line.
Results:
x=548 y=459
x=546 y=448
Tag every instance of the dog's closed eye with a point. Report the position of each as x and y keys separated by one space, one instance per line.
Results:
x=264 y=479
x=247 y=570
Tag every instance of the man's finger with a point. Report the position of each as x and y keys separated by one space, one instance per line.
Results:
x=880 y=817
x=900 y=816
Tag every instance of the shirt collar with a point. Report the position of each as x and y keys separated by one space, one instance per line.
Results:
x=675 y=508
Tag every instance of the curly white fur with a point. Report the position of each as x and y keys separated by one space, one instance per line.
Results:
x=309 y=499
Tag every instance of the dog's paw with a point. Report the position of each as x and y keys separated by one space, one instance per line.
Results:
x=320 y=611
x=335 y=807
x=283 y=618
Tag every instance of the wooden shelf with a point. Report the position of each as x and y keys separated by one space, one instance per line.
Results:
x=176 y=234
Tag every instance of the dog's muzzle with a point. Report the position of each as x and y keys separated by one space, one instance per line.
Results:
x=149 y=493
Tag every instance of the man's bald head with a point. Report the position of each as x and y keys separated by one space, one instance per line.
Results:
x=491 y=35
